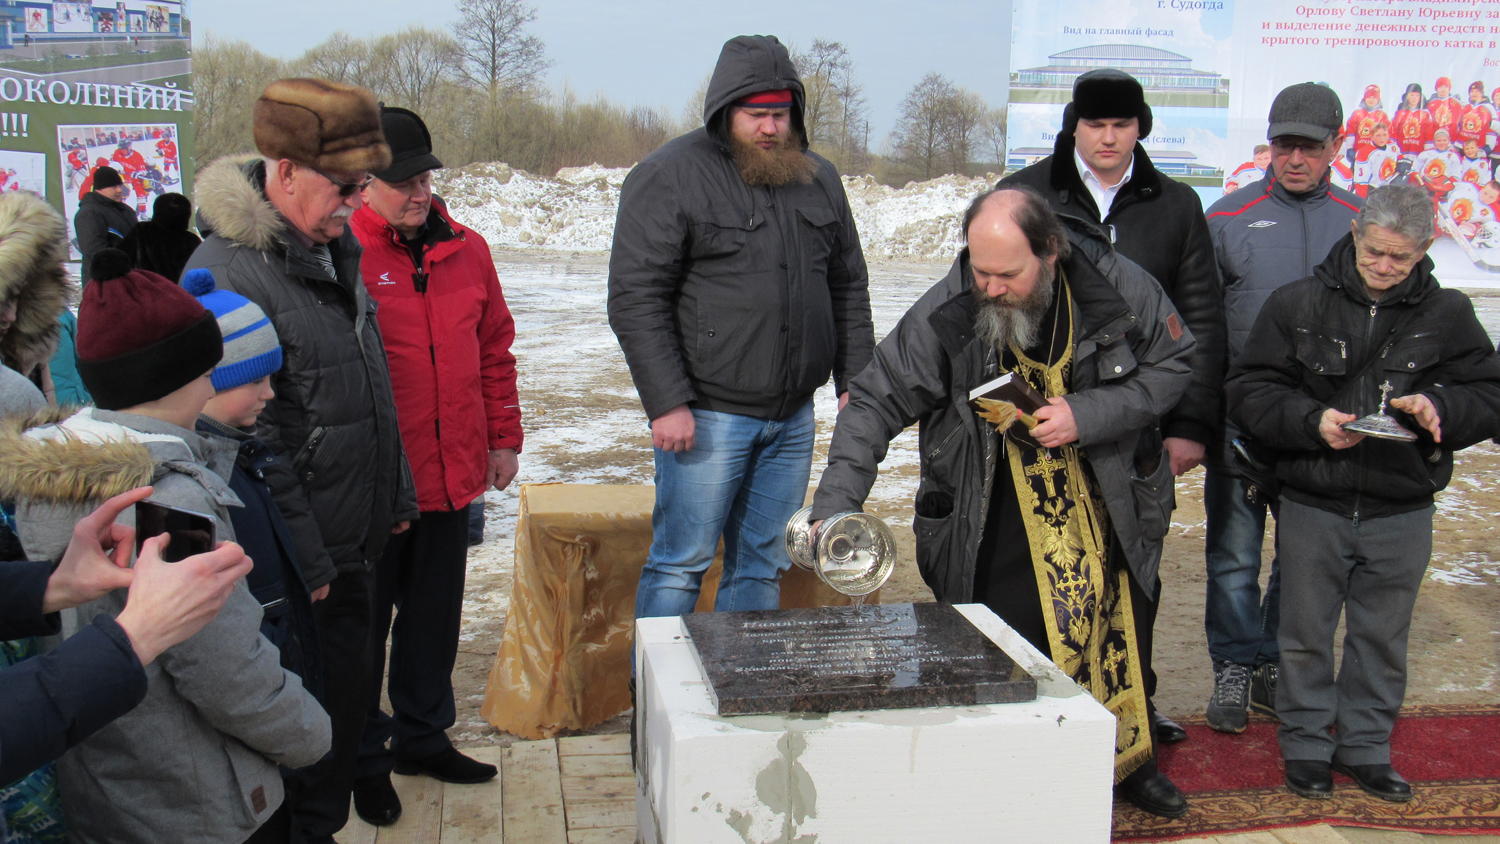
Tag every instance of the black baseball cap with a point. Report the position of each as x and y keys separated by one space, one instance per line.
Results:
x=1307 y=110
x=410 y=142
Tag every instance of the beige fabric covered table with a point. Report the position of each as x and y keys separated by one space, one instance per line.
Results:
x=564 y=661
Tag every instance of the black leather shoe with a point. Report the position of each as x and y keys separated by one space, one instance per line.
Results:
x=1309 y=778
x=376 y=801
x=1155 y=794
x=448 y=765
x=1167 y=731
x=1377 y=781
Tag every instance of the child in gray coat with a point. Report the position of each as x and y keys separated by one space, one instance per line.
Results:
x=197 y=760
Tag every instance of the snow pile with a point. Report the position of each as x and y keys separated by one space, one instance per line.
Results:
x=575 y=212
x=519 y=210
x=918 y=221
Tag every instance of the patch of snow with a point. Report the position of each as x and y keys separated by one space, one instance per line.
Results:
x=1468 y=570
x=575 y=211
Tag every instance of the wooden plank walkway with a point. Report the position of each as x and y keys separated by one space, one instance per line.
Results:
x=577 y=790
x=580 y=790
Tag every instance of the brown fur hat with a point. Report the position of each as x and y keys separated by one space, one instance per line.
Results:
x=321 y=124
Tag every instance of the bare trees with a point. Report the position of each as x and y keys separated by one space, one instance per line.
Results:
x=834 y=111
x=228 y=77
x=943 y=128
x=497 y=53
x=418 y=62
x=479 y=88
x=918 y=137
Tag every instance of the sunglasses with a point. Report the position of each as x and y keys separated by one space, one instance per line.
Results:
x=346 y=189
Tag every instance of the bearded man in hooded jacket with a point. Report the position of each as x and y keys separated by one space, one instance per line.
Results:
x=736 y=286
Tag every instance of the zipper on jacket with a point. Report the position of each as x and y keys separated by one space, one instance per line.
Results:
x=1307 y=267
x=948 y=439
x=1364 y=463
x=305 y=454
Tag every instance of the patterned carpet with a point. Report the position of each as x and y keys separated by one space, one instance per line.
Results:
x=1450 y=754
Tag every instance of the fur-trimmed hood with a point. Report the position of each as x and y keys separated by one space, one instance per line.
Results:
x=232 y=203
x=33 y=247
x=61 y=456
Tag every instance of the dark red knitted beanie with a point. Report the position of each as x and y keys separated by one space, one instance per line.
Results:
x=140 y=336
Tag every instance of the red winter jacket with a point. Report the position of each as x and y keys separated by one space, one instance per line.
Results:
x=449 y=350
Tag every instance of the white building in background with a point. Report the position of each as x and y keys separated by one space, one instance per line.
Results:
x=1157 y=70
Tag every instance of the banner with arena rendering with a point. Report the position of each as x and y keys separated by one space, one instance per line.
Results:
x=1419 y=79
x=87 y=84
x=1180 y=50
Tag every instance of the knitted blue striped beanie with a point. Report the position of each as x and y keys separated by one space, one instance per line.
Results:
x=251 y=348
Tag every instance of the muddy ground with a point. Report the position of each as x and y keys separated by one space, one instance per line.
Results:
x=583 y=425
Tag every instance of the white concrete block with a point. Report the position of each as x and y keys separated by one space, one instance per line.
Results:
x=1014 y=772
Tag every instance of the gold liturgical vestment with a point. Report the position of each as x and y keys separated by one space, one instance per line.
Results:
x=1090 y=628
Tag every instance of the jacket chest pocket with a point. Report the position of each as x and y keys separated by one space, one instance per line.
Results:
x=721 y=238
x=1115 y=361
x=817 y=229
x=1411 y=358
x=1319 y=355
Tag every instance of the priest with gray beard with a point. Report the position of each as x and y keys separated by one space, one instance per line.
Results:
x=1057 y=526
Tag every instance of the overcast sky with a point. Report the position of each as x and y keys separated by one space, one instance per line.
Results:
x=655 y=52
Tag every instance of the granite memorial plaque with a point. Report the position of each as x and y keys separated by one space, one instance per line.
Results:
x=891 y=656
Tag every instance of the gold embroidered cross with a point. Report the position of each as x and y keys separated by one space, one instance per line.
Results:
x=1047 y=468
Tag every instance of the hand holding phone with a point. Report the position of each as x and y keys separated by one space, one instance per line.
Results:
x=188 y=532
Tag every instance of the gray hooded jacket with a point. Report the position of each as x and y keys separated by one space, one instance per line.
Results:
x=196 y=761
x=735 y=298
x=1131 y=368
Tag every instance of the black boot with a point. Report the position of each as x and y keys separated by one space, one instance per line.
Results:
x=1309 y=778
x=1155 y=794
x=448 y=765
x=1166 y=730
x=1378 y=781
x=376 y=801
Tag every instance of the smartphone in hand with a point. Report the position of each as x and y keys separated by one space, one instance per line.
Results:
x=190 y=533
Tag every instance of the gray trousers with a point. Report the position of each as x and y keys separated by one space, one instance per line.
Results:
x=1370 y=570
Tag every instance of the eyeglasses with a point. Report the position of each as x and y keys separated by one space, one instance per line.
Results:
x=346 y=189
x=1309 y=148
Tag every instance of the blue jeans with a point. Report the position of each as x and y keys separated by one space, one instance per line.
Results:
x=742 y=480
x=1241 y=626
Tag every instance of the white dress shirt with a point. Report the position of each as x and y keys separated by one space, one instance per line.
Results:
x=1103 y=197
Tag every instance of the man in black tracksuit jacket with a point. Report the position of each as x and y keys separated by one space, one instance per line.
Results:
x=1158 y=223
x=1356 y=512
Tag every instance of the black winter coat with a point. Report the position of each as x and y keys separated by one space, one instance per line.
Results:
x=1158 y=223
x=161 y=248
x=1130 y=368
x=729 y=297
x=54 y=701
x=1306 y=353
x=333 y=420
x=101 y=223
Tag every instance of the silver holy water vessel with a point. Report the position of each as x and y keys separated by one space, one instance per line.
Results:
x=854 y=553
x=1378 y=424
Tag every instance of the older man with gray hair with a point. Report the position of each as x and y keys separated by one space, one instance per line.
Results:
x=1356 y=507
x=277 y=234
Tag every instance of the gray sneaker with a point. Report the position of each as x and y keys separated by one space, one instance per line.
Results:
x=1263 y=688
x=1228 y=709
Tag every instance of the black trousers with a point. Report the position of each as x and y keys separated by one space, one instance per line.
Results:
x=319 y=795
x=421 y=578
